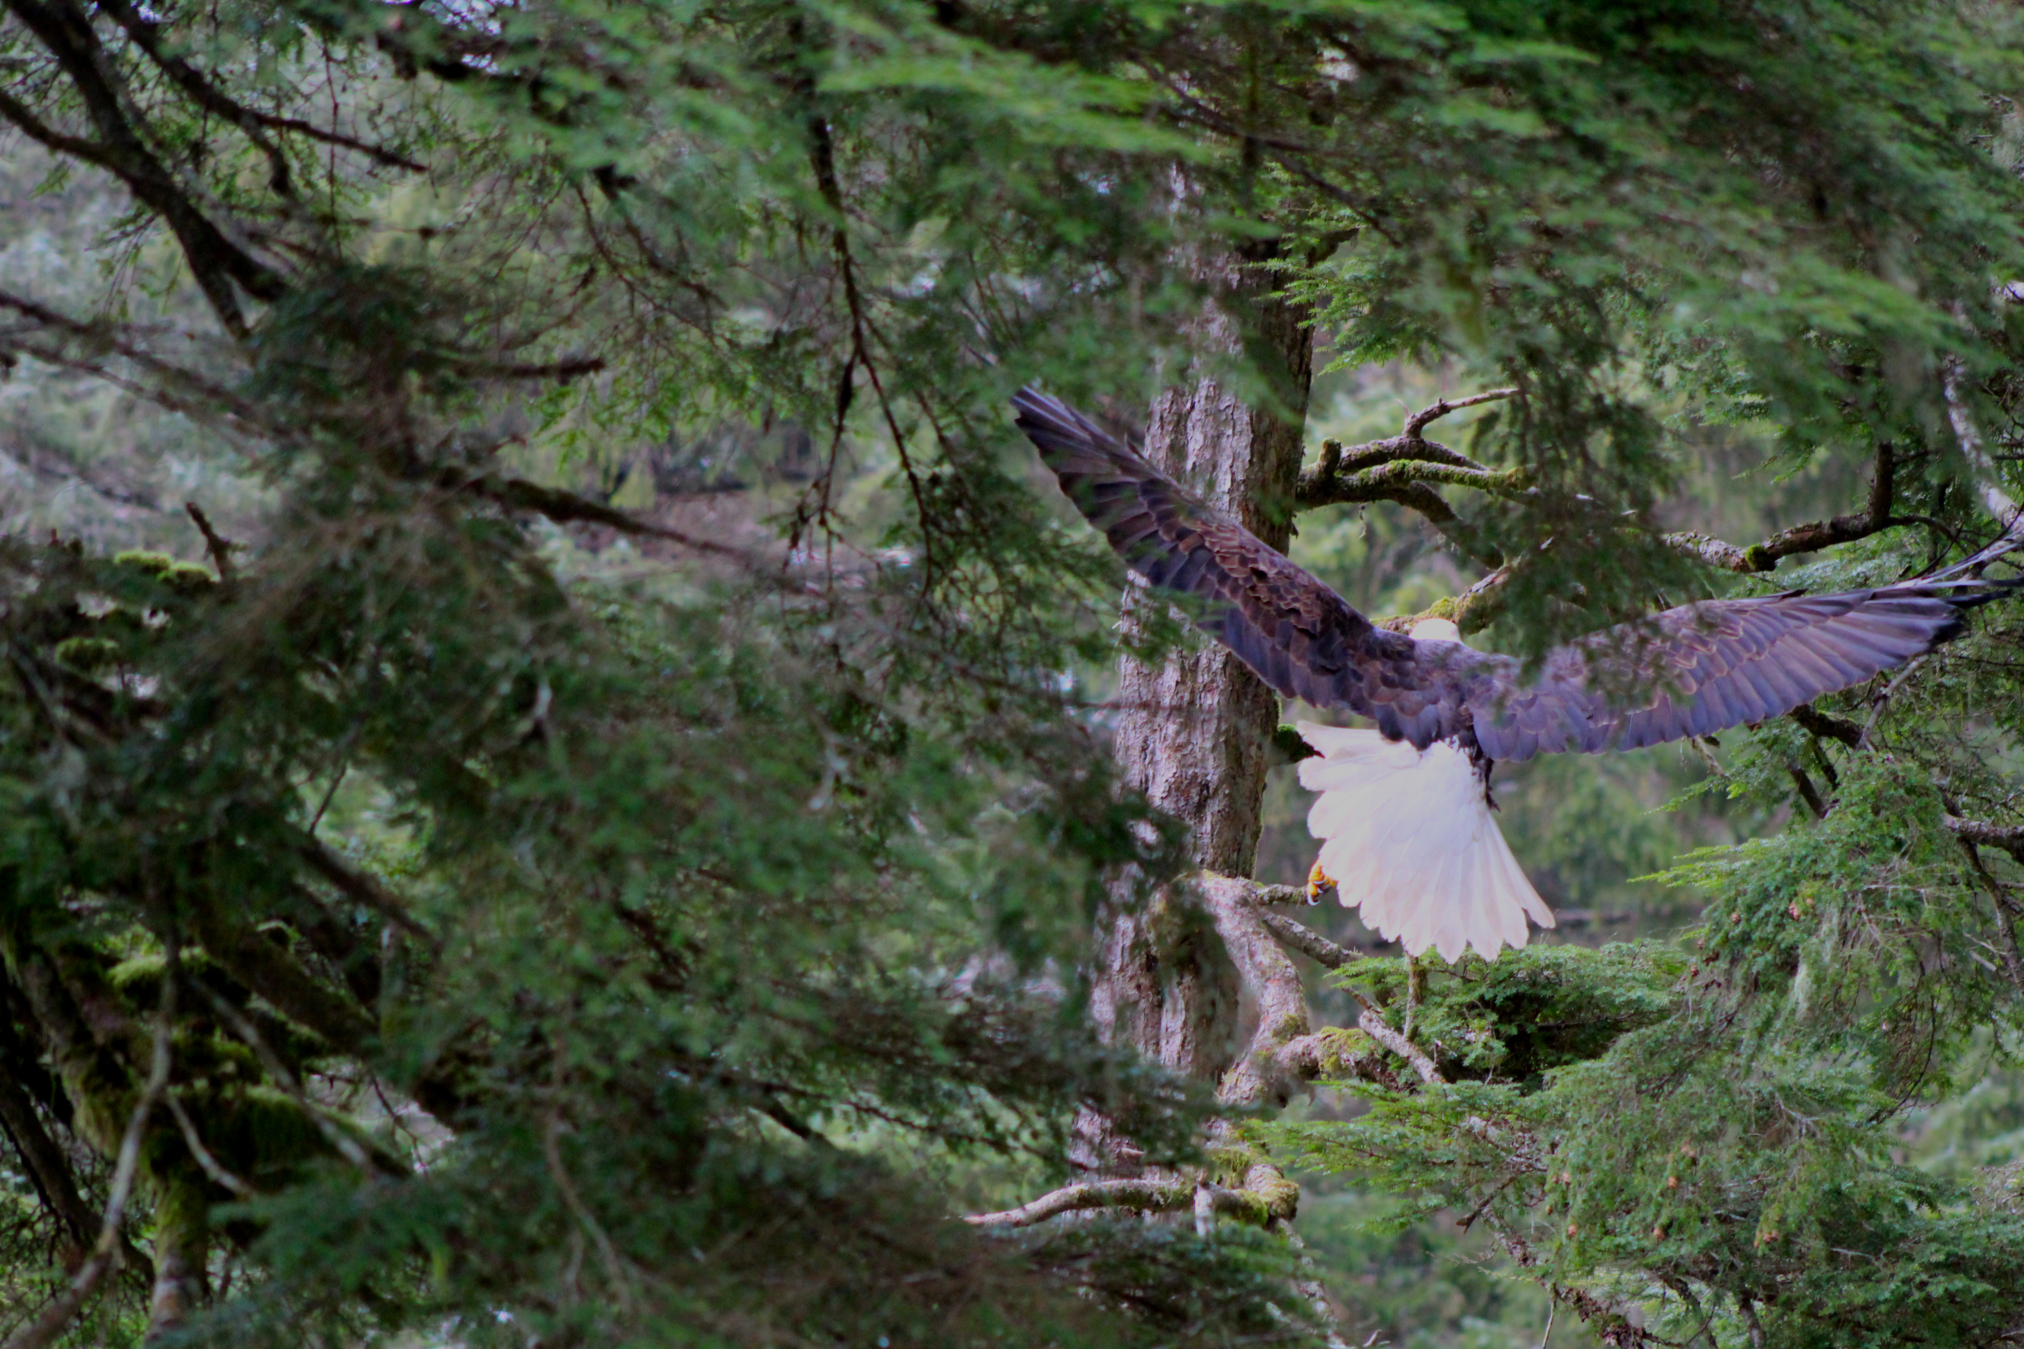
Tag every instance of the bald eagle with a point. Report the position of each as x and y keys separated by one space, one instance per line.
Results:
x=1424 y=857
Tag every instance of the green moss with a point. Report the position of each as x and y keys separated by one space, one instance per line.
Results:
x=87 y=654
x=144 y=559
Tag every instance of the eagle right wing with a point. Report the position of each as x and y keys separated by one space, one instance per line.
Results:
x=1298 y=635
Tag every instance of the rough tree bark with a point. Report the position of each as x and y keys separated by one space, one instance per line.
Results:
x=1197 y=724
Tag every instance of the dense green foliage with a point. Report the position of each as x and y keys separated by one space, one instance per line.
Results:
x=589 y=834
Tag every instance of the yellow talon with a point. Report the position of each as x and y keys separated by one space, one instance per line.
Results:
x=1318 y=883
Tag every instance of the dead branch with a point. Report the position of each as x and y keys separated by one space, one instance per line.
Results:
x=110 y=1249
x=1304 y=939
x=1265 y=1195
x=1146 y=1196
x=568 y=508
x=219 y=546
x=1969 y=436
x=208 y=1162
x=361 y=888
x=1441 y=407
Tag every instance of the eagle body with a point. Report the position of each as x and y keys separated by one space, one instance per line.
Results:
x=1687 y=671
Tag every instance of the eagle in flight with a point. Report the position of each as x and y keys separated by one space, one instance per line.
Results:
x=1425 y=859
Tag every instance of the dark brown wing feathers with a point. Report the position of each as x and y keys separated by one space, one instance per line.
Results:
x=1295 y=632
x=1688 y=671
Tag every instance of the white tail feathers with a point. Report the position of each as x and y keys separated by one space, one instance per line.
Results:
x=1407 y=836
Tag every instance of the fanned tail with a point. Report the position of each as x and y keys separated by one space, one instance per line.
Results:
x=1409 y=840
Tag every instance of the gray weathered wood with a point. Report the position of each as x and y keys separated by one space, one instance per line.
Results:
x=1196 y=725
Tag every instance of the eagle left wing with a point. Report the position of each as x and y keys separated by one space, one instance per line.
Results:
x=1298 y=635
x=1701 y=668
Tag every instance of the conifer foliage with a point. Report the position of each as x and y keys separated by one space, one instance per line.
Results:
x=445 y=895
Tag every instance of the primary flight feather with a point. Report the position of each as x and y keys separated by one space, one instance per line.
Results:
x=1687 y=671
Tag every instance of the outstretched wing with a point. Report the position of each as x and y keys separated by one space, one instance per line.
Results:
x=1702 y=667
x=1687 y=671
x=1298 y=635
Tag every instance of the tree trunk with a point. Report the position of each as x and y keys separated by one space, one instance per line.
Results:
x=1196 y=726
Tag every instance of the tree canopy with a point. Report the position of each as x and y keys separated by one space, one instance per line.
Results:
x=597 y=823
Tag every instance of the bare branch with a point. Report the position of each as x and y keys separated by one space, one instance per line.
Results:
x=568 y=508
x=1442 y=407
x=1969 y=436
x=1471 y=610
x=340 y=1141
x=1373 y=1024
x=1401 y=469
x=1335 y=1054
x=361 y=888
x=1285 y=896
x=1264 y=1196
x=1307 y=941
x=1150 y=1196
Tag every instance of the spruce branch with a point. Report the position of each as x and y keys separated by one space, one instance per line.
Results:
x=205 y=93
x=1615 y=1326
